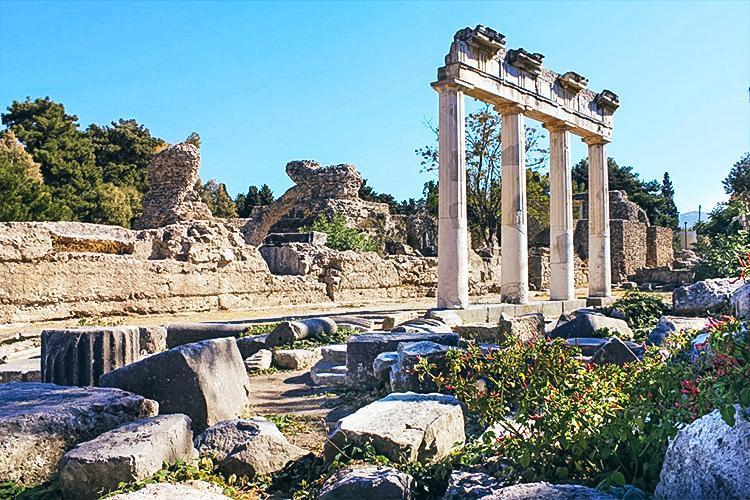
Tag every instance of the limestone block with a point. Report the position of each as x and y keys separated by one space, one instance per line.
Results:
x=402 y=376
x=24 y=241
x=259 y=361
x=314 y=238
x=205 y=380
x=194 y=490
x=361 y=351
x=296 y=359
x=251 y=344
x=187 y=333
x=40 y=422
x=367 y=481
x=153 y=339
x=80 y=356
x=422 y=325
x=131 y=452
x=381 y=367
x=325 y=373
x=287 y=332
x=248 y=447
x=334 y=353
x=659 y=247
x=740 y=301
x=587 y=323
x=25 y=370
x=708 y=459
x=704 y=297
x=534 y=491
x=614 y=351
x=526 y=327
x=668 y=325
x=405 y=427
x=390 y=321
x=463 y=485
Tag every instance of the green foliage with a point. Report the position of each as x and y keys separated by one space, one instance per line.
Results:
x=255 y=197
x=719 y=255
x=643 y=311
x=47 y=491
x=563 y=420
x=258 y=329
x=215 y=195
x=289 y=424
x=737 y=182
x=656 y=198
x=340 y=336
x=342 y=237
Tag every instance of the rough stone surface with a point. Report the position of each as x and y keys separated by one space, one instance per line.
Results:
x=585 y=324
x=361 y=351
x=404 y=427
x=325 y=373
x=614 y=351
x=526 y=327
x=260 y=360
x=25 y=370
x=464 y=485
x=367 y=481
x=659 y=247
x=422 y=325
x=206 y=381
x=40 y=422
x=80 y=356
x=481 y=332
x=153 y=339
x=381 y=367
x=171 y=198
x=402 y=376
x=705 y=296
x=740 y=301
x=296 y=359
x=131 y=452
x=334 y=353
x=251 y=344
x=668 y=325
x=390 y=321
x=186 y=333
x=708 y=459
x=535 y=491
x=194 y=490
x=248 y=447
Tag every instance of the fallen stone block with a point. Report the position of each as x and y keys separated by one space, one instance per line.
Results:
x=324 y=373
x=422 y=325
x=367 y=481
x=248 y=447
x=80 y=356
x=334 y=353
x=405 y=427
x=259 y=361
x=129 y=453
x=40 y=422
x=526 y=327
x=704 y=297
x=615 y=352
x=296 y=359
x=674 y=324
x=206 y=381
x=314 y=238
x=361 y=351
x=153 y=339
x=187 y=333
x=390 y=321
x=403 y=377
x=193 y=490
x=251 y=344
x=479 y=332
x=591 y=324
x=708 y=459
x=287 y=332
x=356 y=323
x=740 y=302
x=464 y=485
x=381 y=367
x=24 y=370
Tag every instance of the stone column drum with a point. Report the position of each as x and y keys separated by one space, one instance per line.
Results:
x=600 y=266
x=514 y=268
x=79 y=356
x=561 y=230
x=453 y=251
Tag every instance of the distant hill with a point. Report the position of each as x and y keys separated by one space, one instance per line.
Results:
x=691 y=218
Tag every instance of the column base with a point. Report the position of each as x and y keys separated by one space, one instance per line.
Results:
x=599 y=301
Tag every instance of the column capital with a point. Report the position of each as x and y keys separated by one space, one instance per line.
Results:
x=448 y=85
x=594 y=140
x=558 y=125
x=510 y=108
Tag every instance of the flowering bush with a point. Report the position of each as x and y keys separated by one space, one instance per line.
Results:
x=557 y=418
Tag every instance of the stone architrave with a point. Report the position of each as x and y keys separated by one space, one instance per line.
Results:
x=79 y=356
x=600 y=266
x=562 y=271
x=453 y=245
x=514 y=268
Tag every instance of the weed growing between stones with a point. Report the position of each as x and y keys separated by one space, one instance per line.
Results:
x=258 y=329
x=46 y=491
x=556 y=418
x=289 y=424
x=342 y=237
x=642 y=310
x=340 y=336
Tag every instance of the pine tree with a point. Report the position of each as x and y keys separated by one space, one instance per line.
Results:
x=215 y=195
x=669 y=215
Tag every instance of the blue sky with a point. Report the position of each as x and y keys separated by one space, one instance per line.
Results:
x=348 y=82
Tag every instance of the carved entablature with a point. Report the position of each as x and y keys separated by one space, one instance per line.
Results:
x=527 y=61
x=608 y=100
x=573 y=82
x=480 y=67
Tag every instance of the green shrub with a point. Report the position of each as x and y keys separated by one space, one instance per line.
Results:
x=565 y=420
x=643 y=311
x=720 y=255
x=342 y=237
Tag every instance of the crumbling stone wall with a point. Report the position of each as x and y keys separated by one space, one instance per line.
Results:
x=628 y=240
x=171 y=198
x=660 y=247
x=539 y=269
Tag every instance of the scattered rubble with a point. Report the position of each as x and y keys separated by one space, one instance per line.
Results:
x=367 y=481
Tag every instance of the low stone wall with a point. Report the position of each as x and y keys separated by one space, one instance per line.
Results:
x=539 y=269
x=189 y=267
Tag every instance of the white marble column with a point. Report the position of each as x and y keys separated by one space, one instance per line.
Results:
x=453 y=252
x=600 y=267
x=514 y=270
x=562 y=280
